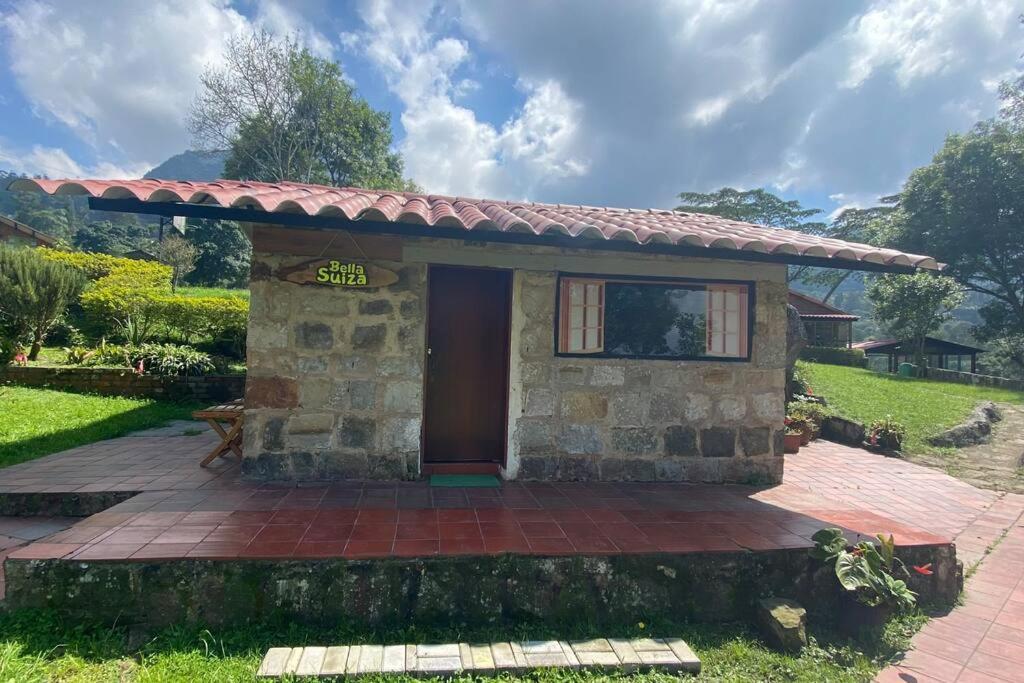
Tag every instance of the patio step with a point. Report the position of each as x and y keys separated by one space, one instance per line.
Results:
x=670 y=655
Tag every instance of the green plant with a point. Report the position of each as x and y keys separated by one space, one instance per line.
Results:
x=77 y=355
x=808 y=411
x=887 y=433
x=34 y=293
x=169 y=359
x=867 y=571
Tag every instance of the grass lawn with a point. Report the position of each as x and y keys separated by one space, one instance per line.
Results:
x=36 y=422
x=213 y=291
x=39 y=647
x=925 y=406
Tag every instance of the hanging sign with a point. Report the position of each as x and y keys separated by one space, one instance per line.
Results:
x=338 y=273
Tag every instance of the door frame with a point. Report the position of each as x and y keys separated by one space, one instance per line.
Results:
x=468 y=467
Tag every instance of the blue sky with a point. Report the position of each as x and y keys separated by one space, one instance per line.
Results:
x=579 y=101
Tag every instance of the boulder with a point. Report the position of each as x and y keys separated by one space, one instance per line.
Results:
x=844 y=431
x=976 y=429
x=784 y=623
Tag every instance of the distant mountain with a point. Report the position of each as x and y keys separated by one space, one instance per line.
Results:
x=191 y=165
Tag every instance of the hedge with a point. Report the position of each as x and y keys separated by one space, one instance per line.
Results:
x=835 y=355
x=97 y=266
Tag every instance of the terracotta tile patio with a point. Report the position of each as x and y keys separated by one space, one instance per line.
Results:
x=185 y=511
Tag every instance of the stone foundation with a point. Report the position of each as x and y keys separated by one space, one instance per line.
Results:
x=472 y=591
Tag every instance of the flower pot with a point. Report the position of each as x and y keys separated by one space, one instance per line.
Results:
x=792 y=442
x=805 y=436
x=856 y=617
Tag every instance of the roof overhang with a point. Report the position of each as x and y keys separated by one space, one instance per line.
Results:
x=302 y=220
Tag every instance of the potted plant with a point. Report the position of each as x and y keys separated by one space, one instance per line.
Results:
x=810 y=411
x=792 y=440
x=868 y=574
x=886 y=436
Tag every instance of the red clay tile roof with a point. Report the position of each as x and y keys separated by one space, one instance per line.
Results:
x=810 y=308
x=642 y=226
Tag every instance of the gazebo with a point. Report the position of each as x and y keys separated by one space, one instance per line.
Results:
x=939 y=353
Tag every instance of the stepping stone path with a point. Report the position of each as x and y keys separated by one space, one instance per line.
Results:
x=671 y=655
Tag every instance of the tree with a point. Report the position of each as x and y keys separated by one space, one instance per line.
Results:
x=34 y=293
x=759 y=207
x=109 y=237
x=180 y=255
x=914 y=306
x=224 y=253
x=284 y=114
x=966 y=209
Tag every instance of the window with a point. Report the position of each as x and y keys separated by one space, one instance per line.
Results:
x=653 y=319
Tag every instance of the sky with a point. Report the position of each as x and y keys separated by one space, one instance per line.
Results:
x=602 y=102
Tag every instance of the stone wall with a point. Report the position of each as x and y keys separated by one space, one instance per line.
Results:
x=647 y=420
x=115 y=382
x=335 y=377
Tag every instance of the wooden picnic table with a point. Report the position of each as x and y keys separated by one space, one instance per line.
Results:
x=231 y=414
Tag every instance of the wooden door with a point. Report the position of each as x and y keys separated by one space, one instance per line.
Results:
x=466 y=397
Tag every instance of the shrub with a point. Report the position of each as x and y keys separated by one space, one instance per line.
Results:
x=835 y=355
x=169 y=359
x=213 y=318
x=96 y=266
x=34 y=293
x=867 y=571
x=887 y=433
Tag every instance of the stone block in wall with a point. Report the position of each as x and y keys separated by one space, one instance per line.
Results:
x=538 y=468
x=580 y=439
x=755 y=440
x=681 y=440
x=718 y=442
x=273 y=434
x=628 y=408
x=578 y=468
x=403 y=397
x=357 y=432
x=311 y=365
x=584 y=405
x=665 y=406
x=353 y=394
x=399 y=366
x=401 y=434
x=314 y=335
x=635 y=440
x=375 y=307
x=571 y=374
x=271 y=392
x=533 y=436
x=369 y=337
x=731 y=408
x=627 y=469
x=768 y=406
x=698 y=408
x=606 y=375
x=539 y=403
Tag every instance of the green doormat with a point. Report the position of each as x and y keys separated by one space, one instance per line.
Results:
x=478 y=481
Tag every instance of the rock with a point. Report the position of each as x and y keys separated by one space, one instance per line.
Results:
x=314 y=336
x=681 y=440
x=718 y=442
x=976 y=429
x=784 y=623
x=841 y=430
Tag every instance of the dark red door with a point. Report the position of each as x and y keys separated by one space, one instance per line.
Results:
x=466 y=399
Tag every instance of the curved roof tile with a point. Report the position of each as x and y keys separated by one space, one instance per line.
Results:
x=643 y=226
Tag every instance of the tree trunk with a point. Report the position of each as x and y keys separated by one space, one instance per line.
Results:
x=919 y=354
x=37 y=344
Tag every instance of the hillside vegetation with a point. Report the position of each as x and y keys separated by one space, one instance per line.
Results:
x=925 y=406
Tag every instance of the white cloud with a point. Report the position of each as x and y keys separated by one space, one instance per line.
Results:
x=121 y=74
x=54 y=162
x=447 y=149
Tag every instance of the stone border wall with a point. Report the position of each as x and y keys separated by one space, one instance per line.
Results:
x=116 y=382
x=469 y=590
x=977 y=380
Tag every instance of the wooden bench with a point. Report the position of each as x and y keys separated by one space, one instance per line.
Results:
x=230 y=413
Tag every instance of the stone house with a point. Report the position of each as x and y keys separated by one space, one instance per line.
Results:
x=394 y=334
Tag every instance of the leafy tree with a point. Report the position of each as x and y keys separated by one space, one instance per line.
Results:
x=284 y=114
x=34 y=293
x=180 y=255
x=108 y=237
x=966 y=209
x=223 y=254
x=914 y=306
x=759 y=207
